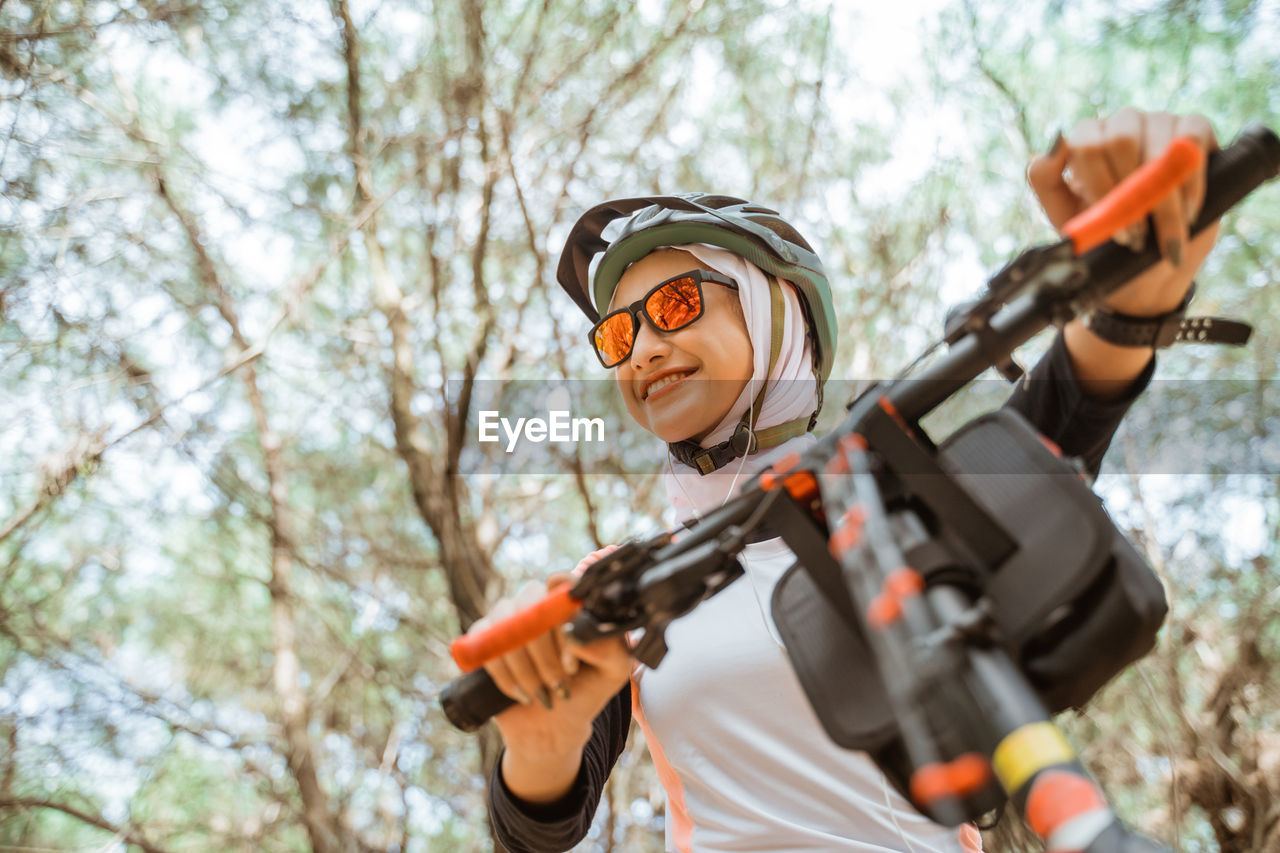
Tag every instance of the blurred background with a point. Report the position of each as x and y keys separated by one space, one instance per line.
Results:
x=255 y=257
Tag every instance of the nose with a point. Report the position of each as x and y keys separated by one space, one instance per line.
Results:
x=649 y=344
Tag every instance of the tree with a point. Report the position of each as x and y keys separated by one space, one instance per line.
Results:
x=262 y=265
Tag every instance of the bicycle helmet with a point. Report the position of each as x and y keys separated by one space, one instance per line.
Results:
x=753 y=231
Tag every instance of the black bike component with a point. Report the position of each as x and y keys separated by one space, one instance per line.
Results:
x=1099 y=609
x=912 y=461
x=1070 y=629
x=470 y=700
x=675 y=586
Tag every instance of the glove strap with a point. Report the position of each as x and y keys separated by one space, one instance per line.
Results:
x=1166 y=329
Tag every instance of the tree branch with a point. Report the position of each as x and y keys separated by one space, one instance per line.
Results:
x=127 y=834
x=81 y=457
x=286 y=668
x=467 y=569
x=1019 y=108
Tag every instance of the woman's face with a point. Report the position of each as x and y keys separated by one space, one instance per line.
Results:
x=709 y=361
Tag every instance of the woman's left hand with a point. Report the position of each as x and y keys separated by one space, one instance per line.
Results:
x=1099 y=153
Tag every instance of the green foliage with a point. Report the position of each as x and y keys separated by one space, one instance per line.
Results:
x=173 y=170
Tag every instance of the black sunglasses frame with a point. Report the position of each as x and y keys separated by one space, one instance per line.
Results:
x=636 y=309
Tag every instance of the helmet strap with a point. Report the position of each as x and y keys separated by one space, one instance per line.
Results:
x=746 y=440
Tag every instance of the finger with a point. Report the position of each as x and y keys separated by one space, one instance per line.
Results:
x=602 y=652
x=1044 y=174
x=1123 y=149
x=505 y=681
x=1087 y=161
x=592 y=557
x=1170 y=221
x=545 y=654
x=564 y=652
x=568 y=662
x=526 y=675
x=1201 y=130
x=609 y=659
x=530 y=593
x=510 y=672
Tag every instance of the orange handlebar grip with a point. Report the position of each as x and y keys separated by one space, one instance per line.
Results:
x=1135 y=196
x=471 y=651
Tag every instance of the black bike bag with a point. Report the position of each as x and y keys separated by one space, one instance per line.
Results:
x=1073 y=605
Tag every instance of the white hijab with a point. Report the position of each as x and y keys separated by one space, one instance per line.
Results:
x=791 y=392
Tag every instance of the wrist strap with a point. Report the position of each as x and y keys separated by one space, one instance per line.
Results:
x=1165 y=330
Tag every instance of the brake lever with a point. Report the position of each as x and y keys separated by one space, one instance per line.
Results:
x=1051 y=270
x=620 y=600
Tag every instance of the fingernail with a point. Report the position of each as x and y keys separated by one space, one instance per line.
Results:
x=522 y=697
x=1173 y=251
x=570 y=663
x=544 y=698
x=1056 y=145
x=1139 y=232
x=562 y=690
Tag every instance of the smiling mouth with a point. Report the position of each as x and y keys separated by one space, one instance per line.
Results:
x=666 y=382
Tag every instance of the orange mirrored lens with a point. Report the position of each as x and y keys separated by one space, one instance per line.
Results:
x=676 y=304
x=614 y=337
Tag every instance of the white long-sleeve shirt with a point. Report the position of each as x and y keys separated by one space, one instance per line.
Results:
x=744 y=760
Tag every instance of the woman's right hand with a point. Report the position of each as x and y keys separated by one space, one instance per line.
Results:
x=559 y=687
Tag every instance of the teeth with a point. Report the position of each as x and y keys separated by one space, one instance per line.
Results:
x=664 y=381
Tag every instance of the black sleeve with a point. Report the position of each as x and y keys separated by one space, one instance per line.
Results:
x=554 y=827
x=1050 y=397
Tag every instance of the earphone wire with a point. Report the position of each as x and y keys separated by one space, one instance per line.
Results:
x=752 y=419
x=893 y=814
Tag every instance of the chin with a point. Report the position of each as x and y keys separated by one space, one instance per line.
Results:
x=673 y=424
x=672 y=433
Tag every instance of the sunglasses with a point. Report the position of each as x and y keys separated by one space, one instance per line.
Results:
x=672 y=305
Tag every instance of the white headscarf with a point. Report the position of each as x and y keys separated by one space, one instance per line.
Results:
x=792 y=390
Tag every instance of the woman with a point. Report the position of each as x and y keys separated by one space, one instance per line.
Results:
x=717 y=323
